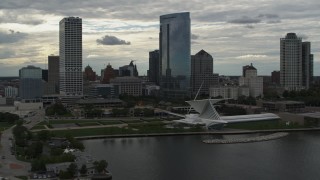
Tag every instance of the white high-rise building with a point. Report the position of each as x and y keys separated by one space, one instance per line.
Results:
x=291 y=62
x=250 y=79
x=70 y=65
x=296 y=63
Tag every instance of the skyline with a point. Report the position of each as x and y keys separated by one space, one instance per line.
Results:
x=235 y=34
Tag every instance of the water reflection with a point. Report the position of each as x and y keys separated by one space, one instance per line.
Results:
x=186 y=157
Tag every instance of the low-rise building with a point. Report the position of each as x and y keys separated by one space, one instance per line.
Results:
x=28 y=105
x=10 y=91
x=232 y=92
x=128 y=85
x=282 y=106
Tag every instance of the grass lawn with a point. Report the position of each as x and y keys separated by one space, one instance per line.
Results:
x=22 y=177
x=38 y=127
x=68 y=121
x=110 y=122
x=4 y=125
x=131 y=121
x=88 y=124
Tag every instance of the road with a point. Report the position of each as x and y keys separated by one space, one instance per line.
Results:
x=10 y=166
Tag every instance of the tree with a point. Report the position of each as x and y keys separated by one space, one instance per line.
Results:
x=74 y=143
x=56 y=109
x=100 y=166
x=72 y=169
x=83 y=170
x=38 y=165
x=65 y=175
x=56 y=152
x=35 y=149
x=21 y=135
x=44 y=135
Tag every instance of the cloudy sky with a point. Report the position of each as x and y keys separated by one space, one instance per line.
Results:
x=234 y=32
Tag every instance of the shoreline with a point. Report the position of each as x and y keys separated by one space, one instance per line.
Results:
x=233 y=132
x=267 y=137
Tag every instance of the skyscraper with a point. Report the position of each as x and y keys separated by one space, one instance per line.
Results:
x=70 y=42
x=175 y=57
x=202 y=72
x=31 y=83
x=154 y=67
x=307 y=65
x=53 y=74
x=296 y=63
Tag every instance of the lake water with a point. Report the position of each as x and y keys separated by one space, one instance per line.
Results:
x=296 y=156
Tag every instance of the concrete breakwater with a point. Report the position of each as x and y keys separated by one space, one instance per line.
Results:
x=247 y=140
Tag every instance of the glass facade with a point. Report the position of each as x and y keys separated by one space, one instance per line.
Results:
x=175 y=55
x=31 y=84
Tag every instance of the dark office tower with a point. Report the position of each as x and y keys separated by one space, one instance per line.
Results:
x=307 y=64
x=53 y=74
x=175 y=57
x=45 y=75
x=291 y=62
x=275 y=77
x=202 y=73
x=31 y=83
x=70 y=42
x=154 y=67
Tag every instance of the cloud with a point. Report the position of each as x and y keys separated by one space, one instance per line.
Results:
x=6 y=53
x=194 y=42
x=274 y=21
x=252 y=56
x=11 y=36
x=303 y=36
x=249 y=26
x=269 y=16
x=14 y=16
x=92 y=56
x=112 y=40
x=245 y=20
x=193 y=36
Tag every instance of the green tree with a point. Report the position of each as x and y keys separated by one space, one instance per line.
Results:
x=148 y=112
x=100 y=166
x=72 y=169
x=21 y=135
x=34 y=150
x=83 y=170
x=65 y=175
x=56 y=151
x=38 y=165
x=56 y=109
x=44 y=135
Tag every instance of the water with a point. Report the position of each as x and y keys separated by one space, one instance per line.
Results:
x=296 y=156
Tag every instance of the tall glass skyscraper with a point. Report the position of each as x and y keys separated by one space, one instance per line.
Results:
x=70 y=65
x=31 y=85
x=175 y=55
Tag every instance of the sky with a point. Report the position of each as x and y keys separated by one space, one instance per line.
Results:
x=234 y=32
